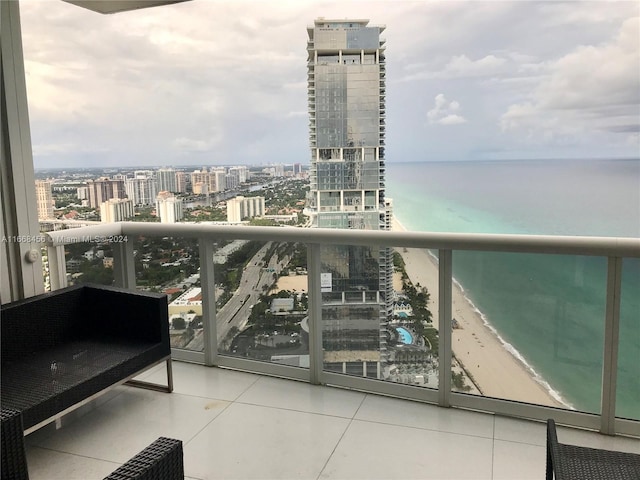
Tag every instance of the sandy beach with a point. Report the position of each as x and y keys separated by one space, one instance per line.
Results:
x=496 y=372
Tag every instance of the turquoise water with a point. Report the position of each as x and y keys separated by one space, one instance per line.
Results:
x=405 y=336
x=547 y=308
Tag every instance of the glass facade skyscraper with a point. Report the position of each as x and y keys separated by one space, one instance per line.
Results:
x=346 y=92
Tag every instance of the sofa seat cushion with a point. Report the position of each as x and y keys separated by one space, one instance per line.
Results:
x=42 y=384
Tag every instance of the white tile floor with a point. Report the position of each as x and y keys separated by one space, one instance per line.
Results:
x=237 y=425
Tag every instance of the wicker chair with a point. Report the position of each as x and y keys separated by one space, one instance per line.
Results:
x=569 y=462
x=162 y=460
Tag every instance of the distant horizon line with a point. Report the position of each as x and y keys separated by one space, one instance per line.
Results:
x=148 y=167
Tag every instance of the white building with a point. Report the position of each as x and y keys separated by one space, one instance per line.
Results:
x=168 y=207
x=279 y=170
x=241 y=172
x=240 y=207
x=44 y=199
x=166 y=180
x=116 y=210
x=231 y=181
x=181 y=182
x=82 y=193
x=141 y=189
x=218 y=179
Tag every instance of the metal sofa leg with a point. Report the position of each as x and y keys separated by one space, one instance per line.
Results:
x=168 y=388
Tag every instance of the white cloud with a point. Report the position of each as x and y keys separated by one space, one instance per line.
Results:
x=193 y=144
x=463 y=66
x=459 y=66
x=452 y=119
x=66 y=149
x=442 y=112
x=592 y=88
x=155 y=85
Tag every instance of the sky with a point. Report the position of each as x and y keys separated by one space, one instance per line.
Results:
x=213 y=82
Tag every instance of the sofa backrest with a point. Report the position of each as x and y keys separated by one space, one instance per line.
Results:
x=39 y=322
x=84 y=312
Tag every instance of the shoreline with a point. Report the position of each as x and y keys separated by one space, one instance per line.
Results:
x=491 y=363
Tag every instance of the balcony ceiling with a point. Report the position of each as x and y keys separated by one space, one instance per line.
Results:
x=115 y=6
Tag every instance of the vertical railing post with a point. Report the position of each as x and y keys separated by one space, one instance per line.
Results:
x=207 y=283
x=124 y=271
x=315 y=314
x=445 y=276
x=611 y=337
x=57 y=267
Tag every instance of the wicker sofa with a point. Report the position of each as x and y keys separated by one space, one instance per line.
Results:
x=62 y=349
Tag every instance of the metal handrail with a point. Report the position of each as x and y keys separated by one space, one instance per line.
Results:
x=548 y=244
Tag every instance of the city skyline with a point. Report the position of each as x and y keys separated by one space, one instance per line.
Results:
x=478 y=80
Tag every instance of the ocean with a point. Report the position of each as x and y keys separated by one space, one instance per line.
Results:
x=549 y=309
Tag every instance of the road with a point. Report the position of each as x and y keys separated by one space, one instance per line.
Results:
x=235 y=312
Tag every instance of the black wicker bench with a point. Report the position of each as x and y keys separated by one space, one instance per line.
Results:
x=64 y=348
x=569 y=462
x=162 y=460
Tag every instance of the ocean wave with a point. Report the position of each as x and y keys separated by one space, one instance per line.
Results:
x=515 y=353
x=508 y=346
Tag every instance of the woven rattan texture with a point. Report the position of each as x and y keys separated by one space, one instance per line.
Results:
x=570 y=462
x=46 y=383
x=14 y=460
x=61 y=348
x=162 y=460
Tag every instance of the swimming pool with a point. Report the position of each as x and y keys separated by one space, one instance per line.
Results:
x=405 y=336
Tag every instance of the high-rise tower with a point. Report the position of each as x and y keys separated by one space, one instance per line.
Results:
x=346 y=97
x=44 y=199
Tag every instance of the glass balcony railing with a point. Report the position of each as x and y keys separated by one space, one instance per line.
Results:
x=546 y=311
x=628 y=379
x=542 y=323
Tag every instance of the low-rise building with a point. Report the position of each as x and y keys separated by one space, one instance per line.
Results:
x=189 y=302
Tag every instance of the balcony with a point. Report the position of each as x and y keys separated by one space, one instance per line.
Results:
x=243 y=418
x=561 y=317
x=242 y=425
x=297 y=426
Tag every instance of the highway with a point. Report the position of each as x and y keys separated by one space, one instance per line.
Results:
x=235 y=312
